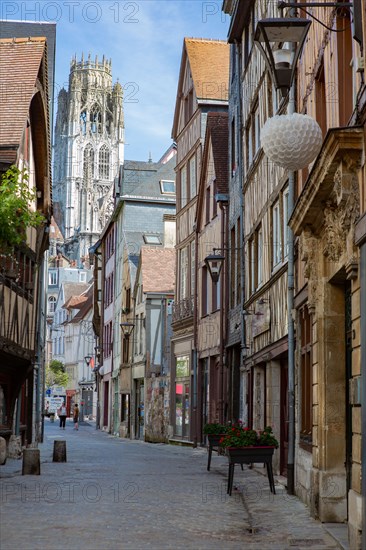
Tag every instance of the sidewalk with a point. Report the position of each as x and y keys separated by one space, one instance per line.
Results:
x=119 y=494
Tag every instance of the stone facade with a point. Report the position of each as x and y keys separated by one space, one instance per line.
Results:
x=89 y=148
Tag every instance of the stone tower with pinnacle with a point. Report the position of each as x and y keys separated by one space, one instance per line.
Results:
x=88 y=150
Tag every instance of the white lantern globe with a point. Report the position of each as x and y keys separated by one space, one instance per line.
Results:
x=291 y=141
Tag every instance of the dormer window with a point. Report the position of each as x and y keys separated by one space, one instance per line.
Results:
x=167 y=187
x=151 y=239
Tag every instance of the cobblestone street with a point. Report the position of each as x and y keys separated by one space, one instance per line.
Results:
x=114 y=494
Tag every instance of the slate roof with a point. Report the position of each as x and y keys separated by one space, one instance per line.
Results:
x=217 y=141
x=158 y=269
x=20 y=61
x=218 y=129
x=209 y=62
x=142 y=179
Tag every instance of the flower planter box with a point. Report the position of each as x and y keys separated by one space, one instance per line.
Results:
x=213 y=445
x=250 y=455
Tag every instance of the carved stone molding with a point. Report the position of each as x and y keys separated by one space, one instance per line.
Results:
x=352 y=269
x=308 y=246
x=340 y=213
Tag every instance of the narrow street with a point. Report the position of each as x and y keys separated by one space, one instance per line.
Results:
x=114 y=494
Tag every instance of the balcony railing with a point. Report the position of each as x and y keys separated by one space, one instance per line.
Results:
x=183 y=310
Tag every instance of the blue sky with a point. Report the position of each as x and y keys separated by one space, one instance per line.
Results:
x=144 y=40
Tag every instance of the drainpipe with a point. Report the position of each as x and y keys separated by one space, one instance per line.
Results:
x=290 y=320
x=241 y=217
x=363 y=386
x=196 y=415
x=223 y=309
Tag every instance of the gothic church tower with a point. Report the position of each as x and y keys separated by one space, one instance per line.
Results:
x=89 y=148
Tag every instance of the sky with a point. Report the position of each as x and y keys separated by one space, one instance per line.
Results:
x=144 y=39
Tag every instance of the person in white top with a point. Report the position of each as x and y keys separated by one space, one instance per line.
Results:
x=62 y=414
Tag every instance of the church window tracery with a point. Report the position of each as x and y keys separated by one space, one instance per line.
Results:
x=104 y=162
x=83 y=122
x=95 y=120
x=88 y=164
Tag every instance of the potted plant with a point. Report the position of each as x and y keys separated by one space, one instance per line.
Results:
x=214 y=432
x=245 y=446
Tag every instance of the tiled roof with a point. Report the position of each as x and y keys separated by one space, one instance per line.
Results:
x=20 y=60
x=158 y=269
x=55 y=232
x=85 y=306
x=73 y=289
x=209 y=62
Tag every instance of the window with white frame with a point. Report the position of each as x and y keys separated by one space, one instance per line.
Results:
x=52 y=277
x=192 y=177
x=183 y=274
x=167 y=187
x=259 y=257
x=51 y=304
x=249 y=146
x=193 y=266
x=183 y=186
x=276 y=234
x=256 y=127
x=252 y=264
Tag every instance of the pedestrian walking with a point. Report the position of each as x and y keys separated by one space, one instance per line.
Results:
x=76 y=417
x=62 y=414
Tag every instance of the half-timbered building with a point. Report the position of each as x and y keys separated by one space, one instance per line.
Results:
x=24 y=142
x=213 y=380
x=202 y=87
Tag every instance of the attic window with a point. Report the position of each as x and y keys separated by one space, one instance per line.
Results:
x=167 y=186
x=152 y=239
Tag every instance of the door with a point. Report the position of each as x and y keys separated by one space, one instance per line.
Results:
x=87 y=397
x=284 y=419
x=116 y=407
x=106 y=404
x=348 y=338
x=140 y=409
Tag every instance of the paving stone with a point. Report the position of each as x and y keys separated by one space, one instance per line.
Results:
x=119 y=494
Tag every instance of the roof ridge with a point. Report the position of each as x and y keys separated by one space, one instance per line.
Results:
x=24 y=40
x=210 y=40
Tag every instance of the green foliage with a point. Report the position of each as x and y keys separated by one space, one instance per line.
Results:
x=239 y=436
x=55 y=374
x=267 y=438
x=214 y=429
x=15 y=212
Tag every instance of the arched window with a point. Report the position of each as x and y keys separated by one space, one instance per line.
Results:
x=104 y=163
x=95 y=120
x=88 y=165
x=83 y=123
x=51 y=304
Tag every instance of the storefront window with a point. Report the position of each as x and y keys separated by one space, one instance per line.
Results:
x=182 y=396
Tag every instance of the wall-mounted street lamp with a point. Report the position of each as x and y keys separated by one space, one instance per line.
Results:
x=280 y=41
x=87 y=360
x=127 y=328
x=214 y=263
